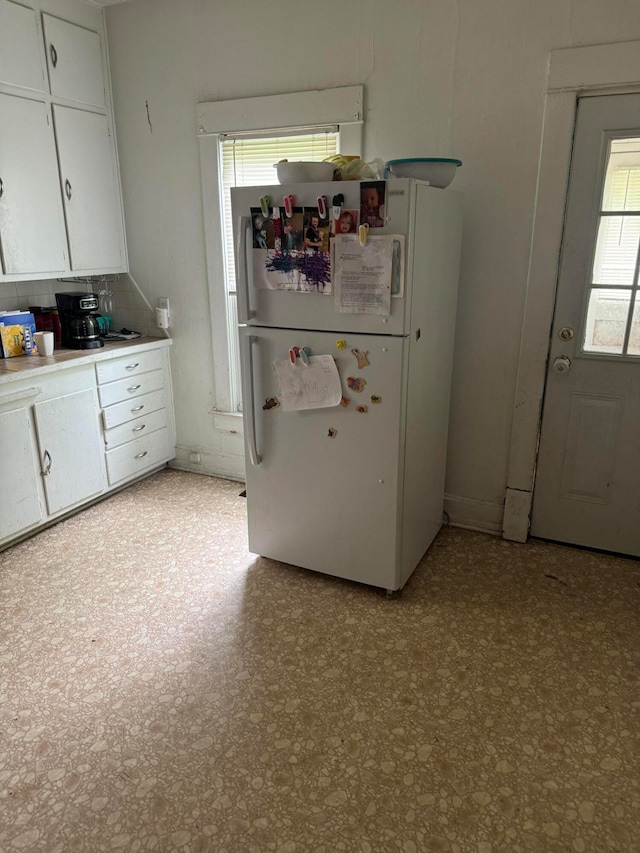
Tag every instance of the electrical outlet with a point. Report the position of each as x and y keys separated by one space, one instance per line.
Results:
x=194 y=456
x=163 y=302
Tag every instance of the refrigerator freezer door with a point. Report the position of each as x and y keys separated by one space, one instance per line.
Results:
x=292 y=310
x=323 y=484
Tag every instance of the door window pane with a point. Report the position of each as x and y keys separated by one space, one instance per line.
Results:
x=622 y=179
x=616 y=250
x=606 y=320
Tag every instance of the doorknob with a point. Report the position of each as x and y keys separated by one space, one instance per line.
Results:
x=562 y=364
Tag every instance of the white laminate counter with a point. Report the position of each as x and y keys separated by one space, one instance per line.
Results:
x=27 y=366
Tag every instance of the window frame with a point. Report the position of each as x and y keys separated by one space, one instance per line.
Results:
x=271 y=113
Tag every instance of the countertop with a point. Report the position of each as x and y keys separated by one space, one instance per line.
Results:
x=25 y=366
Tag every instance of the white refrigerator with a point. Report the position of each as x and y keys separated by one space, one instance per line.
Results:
x=352 y=491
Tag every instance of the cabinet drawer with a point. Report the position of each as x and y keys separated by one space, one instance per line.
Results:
x=136 y=456
x=126 y=389
x=137 y=407
x=120 y=368
x=136 y=428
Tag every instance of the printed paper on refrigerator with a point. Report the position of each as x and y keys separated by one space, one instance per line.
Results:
x=362 y=274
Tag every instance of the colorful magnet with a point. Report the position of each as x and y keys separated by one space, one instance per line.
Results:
x=271 y=403
x=361 y=356
x=362 y=409
x=356 y=383
x=363 y=230
x=289 y=203
x=332 y=432
x=265 y=204
x=375 y=398
x=341 y=344
x=322 y=206
x=344 y=402
x=305 y=355
x=292 y=356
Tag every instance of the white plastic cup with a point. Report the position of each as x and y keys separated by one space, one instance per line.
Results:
x=44 y=342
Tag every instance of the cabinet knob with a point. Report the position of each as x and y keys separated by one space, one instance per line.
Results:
x=67 y=188
x=53 y=53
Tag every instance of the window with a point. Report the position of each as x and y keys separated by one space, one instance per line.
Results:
x=328 y=120
x=245 y=161
x=613 y=314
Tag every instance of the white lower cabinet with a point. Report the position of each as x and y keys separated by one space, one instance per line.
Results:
x=19 y=500
x=70 y=436
x=70 y=442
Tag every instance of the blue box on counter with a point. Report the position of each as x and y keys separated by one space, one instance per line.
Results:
x=18 y=341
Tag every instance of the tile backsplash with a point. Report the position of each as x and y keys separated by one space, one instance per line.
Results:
x=119 y=298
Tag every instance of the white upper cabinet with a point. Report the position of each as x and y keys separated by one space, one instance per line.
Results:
x=32 y=234
x=88 y=176
x=20 y=47
x=60 y=199
x=74 y=61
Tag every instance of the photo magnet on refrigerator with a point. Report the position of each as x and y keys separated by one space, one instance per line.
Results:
x=356 y=383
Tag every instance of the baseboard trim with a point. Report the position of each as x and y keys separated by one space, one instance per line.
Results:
x=225 y=465
x=473 y=514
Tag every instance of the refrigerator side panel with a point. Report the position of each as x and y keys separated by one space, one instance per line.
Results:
x=436 y=265
x=293 y=310
x=325 y=492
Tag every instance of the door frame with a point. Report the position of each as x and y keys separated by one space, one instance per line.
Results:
x=572 y=73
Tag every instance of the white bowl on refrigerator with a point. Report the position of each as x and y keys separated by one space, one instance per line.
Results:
x=439 y=171
x=304 y=171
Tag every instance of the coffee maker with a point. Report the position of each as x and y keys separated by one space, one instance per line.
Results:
x=79 y=322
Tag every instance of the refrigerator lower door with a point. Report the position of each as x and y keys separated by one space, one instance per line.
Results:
x=323 y=485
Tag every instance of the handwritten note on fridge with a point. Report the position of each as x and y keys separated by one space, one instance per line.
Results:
x=362 y=274
x=313 y=386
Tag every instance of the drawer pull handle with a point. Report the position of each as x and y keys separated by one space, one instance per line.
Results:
x=141 y=455
x=133 y=387
x=137 y=429
x=132 y=366
x=137 y=409
x=53 y=53
x=48 y=462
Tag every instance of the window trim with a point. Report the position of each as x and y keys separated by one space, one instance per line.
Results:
x=342 y=106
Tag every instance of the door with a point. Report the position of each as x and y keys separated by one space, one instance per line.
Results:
x=32 y=236
x=89 y=182
x=586 y=490
x=71 y=449
x=322 y=489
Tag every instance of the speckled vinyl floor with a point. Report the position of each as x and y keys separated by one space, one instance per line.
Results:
x=161 y=689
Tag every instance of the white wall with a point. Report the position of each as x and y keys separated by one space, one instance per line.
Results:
x=463 y=79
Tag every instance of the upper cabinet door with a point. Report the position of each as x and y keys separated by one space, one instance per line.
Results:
x=90 y=189
x=32 y=236
x=20 y=47
x=74 y=60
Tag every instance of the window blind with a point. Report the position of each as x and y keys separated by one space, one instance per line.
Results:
x=248 y=160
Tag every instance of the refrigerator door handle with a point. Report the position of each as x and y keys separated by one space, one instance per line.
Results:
x=246 y=351
x=242 y=285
